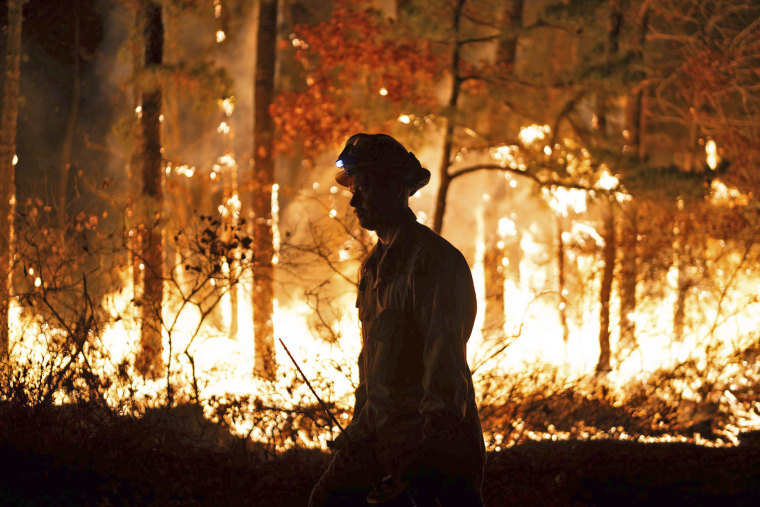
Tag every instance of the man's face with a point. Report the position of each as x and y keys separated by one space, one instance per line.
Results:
x=376 y=206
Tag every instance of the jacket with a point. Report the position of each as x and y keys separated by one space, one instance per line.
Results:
x=417 y=307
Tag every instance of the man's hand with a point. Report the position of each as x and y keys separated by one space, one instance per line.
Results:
x=339 y=443
x=350 y=443
x=439 y=449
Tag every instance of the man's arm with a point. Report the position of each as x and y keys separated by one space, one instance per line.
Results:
x=356 y=431
x=445 y=306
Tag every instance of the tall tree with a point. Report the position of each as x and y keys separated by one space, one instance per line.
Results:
x=8 y=125
x=494 y=258
x=148 y=360
x=605 y=292
x=629 y=238
x=614 y=29
x=701 y=64
x=263 y=179
x=71 y=124
x=444 y=176
x=562 y=278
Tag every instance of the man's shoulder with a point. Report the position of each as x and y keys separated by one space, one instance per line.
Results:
x=435 y=248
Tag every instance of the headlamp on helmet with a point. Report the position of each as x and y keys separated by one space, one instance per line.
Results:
x=384 y=158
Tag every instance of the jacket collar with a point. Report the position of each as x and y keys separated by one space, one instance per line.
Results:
x=393 y=258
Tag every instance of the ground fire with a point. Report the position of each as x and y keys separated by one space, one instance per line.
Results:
x=173 y=218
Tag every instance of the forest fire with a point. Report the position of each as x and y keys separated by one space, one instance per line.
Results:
x=529 y=336
x=598 y=170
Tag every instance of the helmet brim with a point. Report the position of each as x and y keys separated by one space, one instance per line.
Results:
x=342 y=178
x=416 y=181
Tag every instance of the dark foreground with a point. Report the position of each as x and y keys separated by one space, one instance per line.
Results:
x=62 y=458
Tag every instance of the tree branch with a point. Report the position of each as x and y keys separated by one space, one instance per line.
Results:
x=542 y=183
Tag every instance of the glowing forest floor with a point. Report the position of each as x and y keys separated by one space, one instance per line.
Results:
x=76 y=456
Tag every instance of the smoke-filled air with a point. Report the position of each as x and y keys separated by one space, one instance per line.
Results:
x=179 y=267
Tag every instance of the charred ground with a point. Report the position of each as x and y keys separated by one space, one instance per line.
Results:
x=77 y=455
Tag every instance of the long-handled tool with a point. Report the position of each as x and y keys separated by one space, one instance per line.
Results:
x=308 y=384
x=382 y=491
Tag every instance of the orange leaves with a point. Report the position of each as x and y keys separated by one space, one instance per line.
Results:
x=710 y=71
x=313 y=121
x=360 y=74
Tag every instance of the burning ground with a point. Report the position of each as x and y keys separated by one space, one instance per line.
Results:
x=82 y=455
x=610 y=220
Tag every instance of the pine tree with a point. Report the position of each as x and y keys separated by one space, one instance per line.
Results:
x=8 y=125
x=71 y=124
x=148 y=360
x=263 y=179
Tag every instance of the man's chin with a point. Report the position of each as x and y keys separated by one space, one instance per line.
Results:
x=367 y=224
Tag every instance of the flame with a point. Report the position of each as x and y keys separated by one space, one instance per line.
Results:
x=507 y=228
x=227 y=105
x=532 y=322
x=275 y=210
x=182 y=170
x=711 y=152
x=505 y=155
x=606 y=180
x=562 y=200
x=723 y=195
x=299 y=43
x=227 y=160
x=231 y=207
x=532 y=133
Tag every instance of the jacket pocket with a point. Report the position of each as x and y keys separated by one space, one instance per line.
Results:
x=386 y=341
x=386 y=327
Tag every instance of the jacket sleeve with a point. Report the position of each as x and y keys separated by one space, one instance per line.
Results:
x=358 y=428
x=445 y=307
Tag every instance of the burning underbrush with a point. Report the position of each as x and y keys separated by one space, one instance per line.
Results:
x=76 y=331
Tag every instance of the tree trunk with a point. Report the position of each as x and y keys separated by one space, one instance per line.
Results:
x=603 y=365
x=263 y=179
x=691 y=142
x=448 y=138
x=134 y=177
x=514 y=259
x=680 y=247
x=561 y=276
x=494 y=287
x=628 y=274
x=506 y=52
x=8 y=125
x=495 y=270
x=148 y=361
x=683 y=283
x=634 y=146
x=230 y=190
x=70 y=128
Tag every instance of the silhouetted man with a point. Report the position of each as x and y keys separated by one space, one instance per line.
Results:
x=415 y=435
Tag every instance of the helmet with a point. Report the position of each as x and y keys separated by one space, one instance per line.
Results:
x=384 y=158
